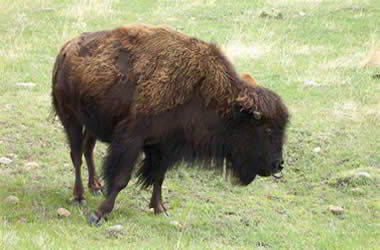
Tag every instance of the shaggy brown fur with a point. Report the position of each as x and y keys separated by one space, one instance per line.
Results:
x=174 y=97
x=162 y=81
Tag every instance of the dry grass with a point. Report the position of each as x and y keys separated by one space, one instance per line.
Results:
x=309 y=4
x=84 y=9
x=347 y=110
x=9 y=238
x=352 y=61
x=202 y=3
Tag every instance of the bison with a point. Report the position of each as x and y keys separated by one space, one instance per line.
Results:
x=153 y=90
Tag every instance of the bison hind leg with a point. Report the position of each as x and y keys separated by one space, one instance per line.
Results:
x=74 y=134
x=88 y=146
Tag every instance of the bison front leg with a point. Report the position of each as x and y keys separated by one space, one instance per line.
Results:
x=117 y=173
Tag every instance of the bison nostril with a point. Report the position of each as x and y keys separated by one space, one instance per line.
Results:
x=281 y=163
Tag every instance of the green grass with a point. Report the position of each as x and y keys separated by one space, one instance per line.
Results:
x=340 y=114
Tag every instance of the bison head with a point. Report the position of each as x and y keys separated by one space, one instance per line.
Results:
x=257 y=133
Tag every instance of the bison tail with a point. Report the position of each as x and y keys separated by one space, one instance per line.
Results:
x=55 y=109
x=57 y=67
x=59 y=62
x=145 y=172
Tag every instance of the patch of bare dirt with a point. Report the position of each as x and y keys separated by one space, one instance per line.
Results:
x=236 y=49
x=347 y=110
x=372 y=59
x=343 y=62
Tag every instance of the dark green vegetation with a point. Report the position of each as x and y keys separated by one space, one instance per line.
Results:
x=311 y=56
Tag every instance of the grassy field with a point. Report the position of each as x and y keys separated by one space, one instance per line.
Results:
x=311 y=52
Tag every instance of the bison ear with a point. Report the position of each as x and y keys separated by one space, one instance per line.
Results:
x=249 y=79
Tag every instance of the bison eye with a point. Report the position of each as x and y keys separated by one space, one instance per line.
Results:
x=269 y=131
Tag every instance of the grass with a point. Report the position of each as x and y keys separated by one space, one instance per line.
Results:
x=311 y=57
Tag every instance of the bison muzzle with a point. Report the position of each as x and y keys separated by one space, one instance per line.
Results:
x=173 y=97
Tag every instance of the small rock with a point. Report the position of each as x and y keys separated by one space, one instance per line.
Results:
x=301 y=13
x=364 y=174
x=11 y=155
x=317 y=150
x=5 y=160
x=175 y=223
x=115 y=229
x=336 y=209
x=63 y=212
x=11 y=199
x=31 y=165
x=311 y=83
x=26 y=84
x=357 y=8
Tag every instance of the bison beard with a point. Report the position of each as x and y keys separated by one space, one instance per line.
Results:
x=176 y=98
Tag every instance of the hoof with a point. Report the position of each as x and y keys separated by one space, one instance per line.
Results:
x=95 y=186
x=278 y=175
x=93 y=219
x=160 y=211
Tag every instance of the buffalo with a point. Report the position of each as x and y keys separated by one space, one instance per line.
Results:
x=154 y=90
